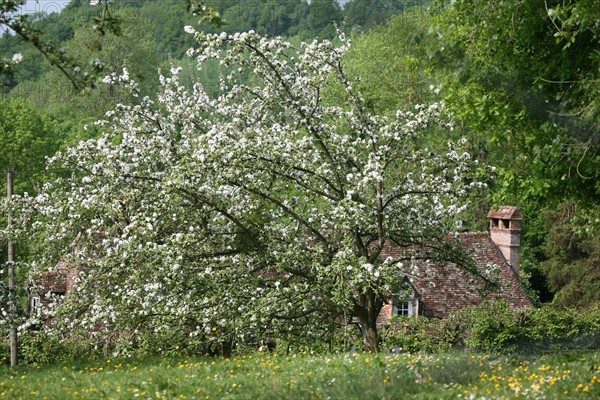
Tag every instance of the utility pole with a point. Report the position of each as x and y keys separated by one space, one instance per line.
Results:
x=12 y=309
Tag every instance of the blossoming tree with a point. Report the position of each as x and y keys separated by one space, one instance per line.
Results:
x=262 y=211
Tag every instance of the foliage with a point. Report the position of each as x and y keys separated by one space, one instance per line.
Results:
x=512 y=76
x=165 y=20
x=495 y=329
x=24 y=26
x=522 y=79
x=54 y=93
x=26 y=138
x=261 y=211
x=492 y=328
x=367 y=14
x=396 y=63
x=573 y=256
x=412 y=335
x=80 y=74
x=392 y=62
x=274 y=17
x=409 y=334
x=37 y=348
x=4 y=350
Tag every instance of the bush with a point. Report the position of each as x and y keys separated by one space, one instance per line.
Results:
x=492 y=328
x=421 y=334
x=40 y=348
x=551 y=329
x=495 y=328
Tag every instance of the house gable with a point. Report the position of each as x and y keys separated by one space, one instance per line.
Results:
x=445 y=288
x=61 y=281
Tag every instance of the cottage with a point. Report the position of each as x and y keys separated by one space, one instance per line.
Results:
x=59 y=282
x=438 y=289
x=434 y=290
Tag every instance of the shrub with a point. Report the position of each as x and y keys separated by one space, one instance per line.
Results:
x=493 y=328
x=40 y=348
x=420 y=334
x=551 y=329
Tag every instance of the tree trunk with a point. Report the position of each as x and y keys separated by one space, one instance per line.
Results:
x=370 y=336
x=367 y=320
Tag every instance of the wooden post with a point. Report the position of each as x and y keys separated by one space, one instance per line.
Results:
x=12 y=309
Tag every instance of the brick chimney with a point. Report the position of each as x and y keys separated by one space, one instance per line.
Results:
x=505 y=231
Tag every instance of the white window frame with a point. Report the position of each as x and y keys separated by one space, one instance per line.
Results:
x=404 y=307
x=35 y=305
x=406 y=302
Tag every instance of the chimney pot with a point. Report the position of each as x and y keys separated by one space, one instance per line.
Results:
x=505 y=231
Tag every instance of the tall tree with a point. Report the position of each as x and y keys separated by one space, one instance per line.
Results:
x=392 y=61
x=81 y=74
x=573 y=264
x=322 y=15
x=526 y=73
x=261 y=210
x=523 y=77
x=366 y=14
x=112 y=53
x=26 y=139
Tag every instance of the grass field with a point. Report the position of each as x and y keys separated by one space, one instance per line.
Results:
x=305 y=376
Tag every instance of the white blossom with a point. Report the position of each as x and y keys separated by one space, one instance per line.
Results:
x=260 y=202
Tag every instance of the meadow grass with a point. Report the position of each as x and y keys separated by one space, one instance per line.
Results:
x=306 y=376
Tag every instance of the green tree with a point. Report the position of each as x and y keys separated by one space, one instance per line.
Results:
x=165 y=20
x=366 y=14
x=523 y=80
x=26 y=139
x=573 y=264
x=322 y=15
x=393 y=63
x=80 y=74
x=272 y=17
x=55 y=94
x=514 y=76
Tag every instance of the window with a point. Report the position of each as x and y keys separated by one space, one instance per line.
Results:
x=404 y=307
x=406 y=302
x=35 y=305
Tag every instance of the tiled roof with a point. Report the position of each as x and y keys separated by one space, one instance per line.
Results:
x=445 y=288
x=55 y=282
x=59 y=281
